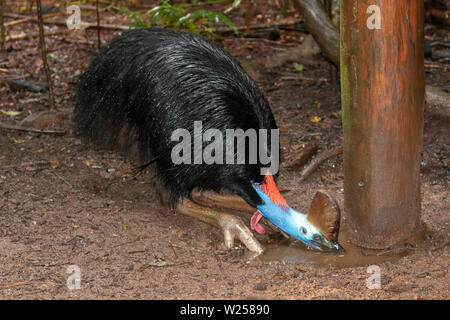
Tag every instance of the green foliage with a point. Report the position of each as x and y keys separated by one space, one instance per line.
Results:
x=176 y=17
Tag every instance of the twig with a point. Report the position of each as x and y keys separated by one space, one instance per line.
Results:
x=20 y=128
x=311 y=134
x=173 y=249
x=98 y=28
x=161 y=264
x=64 y=180
x=23 y=36
x=17 y=284
x=24 y=84
x=77 y=41
x=315 y=163
x=51 y=95
x=16 y=22
x=302 y=156
x=84 y=25
x=257 y=26
x=301 y=78
x=272 y=42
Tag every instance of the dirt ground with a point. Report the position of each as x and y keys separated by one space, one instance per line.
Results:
x=63 y=203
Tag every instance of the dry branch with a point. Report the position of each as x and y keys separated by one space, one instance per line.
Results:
x=302 y=156
x=16 y=22
x=27 y=129
x=23 y=36
x=17 y=284
x=254 y=27
x=315 y=163
x=84 y=25
x=24 y=84
x=51 y=95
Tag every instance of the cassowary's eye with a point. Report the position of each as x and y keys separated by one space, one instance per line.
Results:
x=316 y=237
x=303 y=230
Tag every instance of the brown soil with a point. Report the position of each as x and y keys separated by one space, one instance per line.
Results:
x=62 y=203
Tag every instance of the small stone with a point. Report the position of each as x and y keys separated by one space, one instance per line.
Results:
x=260 y=286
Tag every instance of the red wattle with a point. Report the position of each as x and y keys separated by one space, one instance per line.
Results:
x=254 y=223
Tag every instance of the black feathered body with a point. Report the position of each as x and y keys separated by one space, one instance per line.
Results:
x=150 y=82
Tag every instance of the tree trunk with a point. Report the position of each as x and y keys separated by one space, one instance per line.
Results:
x=382 y=81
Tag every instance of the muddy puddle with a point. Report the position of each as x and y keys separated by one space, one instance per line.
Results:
x=293 y=251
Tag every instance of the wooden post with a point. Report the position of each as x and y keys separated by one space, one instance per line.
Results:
x=382 y=81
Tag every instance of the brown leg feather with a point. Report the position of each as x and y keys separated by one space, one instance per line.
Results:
x=225 y=201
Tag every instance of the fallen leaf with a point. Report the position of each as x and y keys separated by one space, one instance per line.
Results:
x=314 y=119
x=55 y=163
x=18 y=140
x=88 y=162
x=11 y=113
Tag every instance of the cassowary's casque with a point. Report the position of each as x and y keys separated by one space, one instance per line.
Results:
x=147 y=83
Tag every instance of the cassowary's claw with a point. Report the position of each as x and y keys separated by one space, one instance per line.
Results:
x=232 y=227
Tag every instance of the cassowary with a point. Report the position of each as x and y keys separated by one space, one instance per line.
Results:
x=148 y=83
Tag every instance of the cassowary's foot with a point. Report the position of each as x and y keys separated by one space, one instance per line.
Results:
x=231 y=225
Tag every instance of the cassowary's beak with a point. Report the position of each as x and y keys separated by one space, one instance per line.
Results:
x=322 y=244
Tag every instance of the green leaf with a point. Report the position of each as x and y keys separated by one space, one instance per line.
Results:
x=299 y=67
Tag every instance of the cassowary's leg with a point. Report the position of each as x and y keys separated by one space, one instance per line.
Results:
x=235 y=203
x=231 y=225
x=225 y=201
